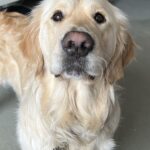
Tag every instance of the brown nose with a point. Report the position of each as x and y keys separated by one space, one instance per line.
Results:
x=77 y=44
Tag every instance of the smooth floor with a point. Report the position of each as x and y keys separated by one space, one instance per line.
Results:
x=134 y=129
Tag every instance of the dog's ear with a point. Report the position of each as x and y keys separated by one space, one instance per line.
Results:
x=30 y=41
x=124 y=53
x=124 y=49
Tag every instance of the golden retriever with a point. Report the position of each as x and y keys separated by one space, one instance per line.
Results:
x=63 y=61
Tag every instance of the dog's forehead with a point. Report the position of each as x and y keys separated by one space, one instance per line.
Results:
x=74 y=3
x=88 y=6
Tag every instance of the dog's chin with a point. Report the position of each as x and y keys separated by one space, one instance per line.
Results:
x=75 y=75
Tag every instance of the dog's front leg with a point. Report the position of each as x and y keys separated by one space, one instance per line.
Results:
x=105 y=144
x=31 y=133
x=28 y=141
x=98 y=144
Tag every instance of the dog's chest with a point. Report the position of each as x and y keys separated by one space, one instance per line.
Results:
x=72 y=131
x=74 y=115
x=70 y=122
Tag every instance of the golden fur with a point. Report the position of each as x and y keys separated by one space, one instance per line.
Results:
x=74 y=114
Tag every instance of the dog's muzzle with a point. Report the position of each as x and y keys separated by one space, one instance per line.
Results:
x=76 y=46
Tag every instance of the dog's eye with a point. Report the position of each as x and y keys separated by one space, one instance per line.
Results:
x=99 y=18
x=58 y=16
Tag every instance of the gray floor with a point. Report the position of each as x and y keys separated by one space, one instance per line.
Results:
x=134 y=130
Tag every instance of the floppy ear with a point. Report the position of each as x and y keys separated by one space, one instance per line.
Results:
x=30 y=42
x=124 y=53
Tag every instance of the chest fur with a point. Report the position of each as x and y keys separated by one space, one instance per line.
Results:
x=75 y=114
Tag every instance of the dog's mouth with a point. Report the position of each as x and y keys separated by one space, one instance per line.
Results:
x=75 y=75
x=84 y=68
x=75 y=68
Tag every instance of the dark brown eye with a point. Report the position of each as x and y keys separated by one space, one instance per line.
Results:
x=99 y=18
x=58 y=16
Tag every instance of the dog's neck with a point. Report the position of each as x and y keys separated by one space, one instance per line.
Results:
x=70 y=101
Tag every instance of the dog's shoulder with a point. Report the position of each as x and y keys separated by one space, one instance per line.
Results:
x=12 y=22
x=12 y=26
x=11 y=18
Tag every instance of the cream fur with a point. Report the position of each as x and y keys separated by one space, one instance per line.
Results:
x=69 y=113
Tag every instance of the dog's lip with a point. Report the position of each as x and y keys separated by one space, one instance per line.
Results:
x=57 y=75
x=90 y=77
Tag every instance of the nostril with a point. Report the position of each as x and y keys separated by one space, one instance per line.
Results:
x=69 y=47
x=71 y=44
x=85 y=45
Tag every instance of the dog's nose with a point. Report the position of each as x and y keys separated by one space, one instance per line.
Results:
x=77 y=43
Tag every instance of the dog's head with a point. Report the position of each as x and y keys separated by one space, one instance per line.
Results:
x=84 y=39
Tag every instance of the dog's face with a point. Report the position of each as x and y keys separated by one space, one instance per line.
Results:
x=79 y=38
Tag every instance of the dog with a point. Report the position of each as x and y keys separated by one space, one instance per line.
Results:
x=63 y=61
